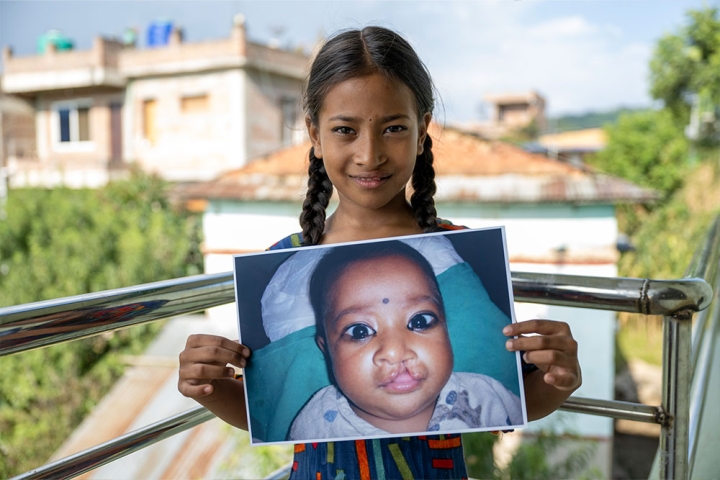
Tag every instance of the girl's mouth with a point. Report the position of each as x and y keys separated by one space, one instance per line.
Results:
x=370 y=181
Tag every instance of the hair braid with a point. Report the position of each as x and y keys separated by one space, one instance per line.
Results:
x=317 y=198
x=423 y=183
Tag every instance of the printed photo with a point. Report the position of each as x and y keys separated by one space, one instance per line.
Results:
x=392 y=337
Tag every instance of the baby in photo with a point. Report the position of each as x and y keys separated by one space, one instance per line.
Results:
x=381 y=325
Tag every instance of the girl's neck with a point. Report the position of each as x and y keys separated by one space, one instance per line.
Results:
x=349 y=224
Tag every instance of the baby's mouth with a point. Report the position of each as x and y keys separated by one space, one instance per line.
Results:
x=402 y=380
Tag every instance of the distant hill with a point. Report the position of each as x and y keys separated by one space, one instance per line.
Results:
x=587 y=120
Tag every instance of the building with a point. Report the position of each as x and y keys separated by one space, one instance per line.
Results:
x=558 y=219
x=511 y=114
x=186 y=111
x=572 y=146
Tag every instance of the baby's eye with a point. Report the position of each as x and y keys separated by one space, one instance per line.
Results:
x=359 y=331
x=422 y=321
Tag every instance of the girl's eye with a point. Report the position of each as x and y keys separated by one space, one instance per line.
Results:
x=359 y=331
x=422 y=321
x=343 y=130
x=396 y=128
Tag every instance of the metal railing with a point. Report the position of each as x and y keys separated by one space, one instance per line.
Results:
x=40 y=324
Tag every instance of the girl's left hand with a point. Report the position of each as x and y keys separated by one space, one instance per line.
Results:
x=551 y=347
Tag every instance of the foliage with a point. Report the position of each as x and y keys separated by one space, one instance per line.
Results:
x=685 y=70
x=547 y=455
x=252 y=462
x=646 y=148
x=62 y=242
x=587 y=120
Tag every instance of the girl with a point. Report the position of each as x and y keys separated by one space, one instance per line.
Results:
x=368 y=103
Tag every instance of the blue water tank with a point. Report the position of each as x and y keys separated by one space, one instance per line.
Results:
x=158 y=33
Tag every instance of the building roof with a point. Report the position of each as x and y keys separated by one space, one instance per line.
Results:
x=110 y=64
x=586 y=140
x=468 y=169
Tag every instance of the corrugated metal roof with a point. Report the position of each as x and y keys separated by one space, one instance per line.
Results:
x=468 y=169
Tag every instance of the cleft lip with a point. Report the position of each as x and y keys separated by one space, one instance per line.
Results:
x=400 y=370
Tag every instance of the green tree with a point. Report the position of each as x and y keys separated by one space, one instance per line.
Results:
x=685 y=72
x=646 y=148
x=62 y=242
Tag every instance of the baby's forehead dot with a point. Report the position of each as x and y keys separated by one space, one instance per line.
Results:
x=386 y=300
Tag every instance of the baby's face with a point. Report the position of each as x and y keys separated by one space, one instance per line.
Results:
x=387 y=339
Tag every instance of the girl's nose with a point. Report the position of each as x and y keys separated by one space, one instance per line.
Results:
x=369 y=152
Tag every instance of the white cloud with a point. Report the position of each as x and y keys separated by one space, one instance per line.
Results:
x=576 y=64
x=562 y=28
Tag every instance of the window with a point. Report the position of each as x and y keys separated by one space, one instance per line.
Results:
x=148 y=121
x=289 y=112
x=74 y=124
x=194 y=103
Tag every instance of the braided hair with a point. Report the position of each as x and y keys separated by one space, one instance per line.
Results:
x=359 y=53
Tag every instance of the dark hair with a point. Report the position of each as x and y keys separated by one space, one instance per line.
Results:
x=334 y=263
x=358 y=53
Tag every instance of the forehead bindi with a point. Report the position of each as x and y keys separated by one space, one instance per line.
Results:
x=370 y=98
x=387 y=281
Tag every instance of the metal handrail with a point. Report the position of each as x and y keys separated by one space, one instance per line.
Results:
x=40 y=324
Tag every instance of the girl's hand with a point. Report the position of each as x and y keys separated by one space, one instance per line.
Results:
x=205 y=360
x=551 y=347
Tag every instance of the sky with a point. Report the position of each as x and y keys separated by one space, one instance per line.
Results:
x=581 y=55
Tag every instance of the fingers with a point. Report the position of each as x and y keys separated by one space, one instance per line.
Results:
x=551 y=347
x=563 y=380
x=206 y=358
x=561 y=343
x=214 y=350
x=542 y=327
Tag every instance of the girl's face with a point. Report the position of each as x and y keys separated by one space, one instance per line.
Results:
x=368 y=136
x=388 y=343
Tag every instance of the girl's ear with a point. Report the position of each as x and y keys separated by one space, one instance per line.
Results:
x=314 y=135
x=423 y=132
x=320 y=341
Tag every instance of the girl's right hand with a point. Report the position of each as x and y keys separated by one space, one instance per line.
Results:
x=204 y=360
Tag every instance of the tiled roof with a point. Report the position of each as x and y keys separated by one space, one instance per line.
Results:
x=588 y=139
x=468 y=169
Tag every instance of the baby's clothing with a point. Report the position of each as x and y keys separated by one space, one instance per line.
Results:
x=468 y=401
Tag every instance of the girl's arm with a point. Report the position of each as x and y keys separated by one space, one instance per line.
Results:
x=552 y=348
x=206 y=378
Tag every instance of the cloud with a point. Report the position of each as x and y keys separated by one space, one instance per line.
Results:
x=576 y=64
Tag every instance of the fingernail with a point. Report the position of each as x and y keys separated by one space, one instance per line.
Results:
x=230 y=372
x=509 y=344
x=246 y=352
x=242 y=363
x=208 y=389
x=525 y=357
x=507 y=330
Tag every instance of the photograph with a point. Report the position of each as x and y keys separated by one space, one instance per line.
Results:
x=379 y=338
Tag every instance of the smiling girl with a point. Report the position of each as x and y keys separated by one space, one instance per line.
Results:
x=368 y=103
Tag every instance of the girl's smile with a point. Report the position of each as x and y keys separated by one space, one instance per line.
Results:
x=368 y=135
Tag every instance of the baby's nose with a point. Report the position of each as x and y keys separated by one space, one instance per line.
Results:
x=394 y=349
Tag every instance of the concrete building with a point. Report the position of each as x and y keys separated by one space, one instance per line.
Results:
x=558 y=219
x=511 y=113
x=572 y=146
x=187 y=111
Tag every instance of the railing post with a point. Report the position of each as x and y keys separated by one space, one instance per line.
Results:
x=677 y=378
